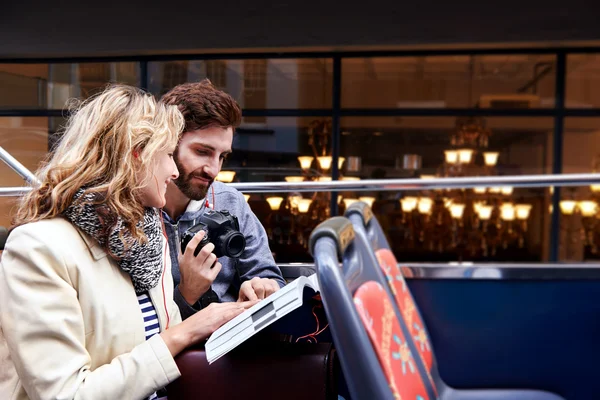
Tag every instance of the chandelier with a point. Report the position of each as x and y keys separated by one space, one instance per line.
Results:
x=581 y=219
x=294 y=216
x=472 y=222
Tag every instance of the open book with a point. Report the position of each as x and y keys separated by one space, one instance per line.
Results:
x=259 y=316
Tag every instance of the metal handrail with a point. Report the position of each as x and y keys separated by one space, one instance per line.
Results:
x=413 y=184
x=559 y=180
x=17 y=166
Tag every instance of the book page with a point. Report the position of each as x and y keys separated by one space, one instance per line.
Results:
x=259 y=316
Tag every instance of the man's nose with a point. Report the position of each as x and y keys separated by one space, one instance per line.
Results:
x=212 y=168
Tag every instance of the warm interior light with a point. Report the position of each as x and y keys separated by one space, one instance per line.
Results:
x=456 y=210
x=587 y=208
x=490 y=158
x=324 y=179
x=246 y=197
x=274 y=202
x=303 y=205
x=305 y=161
x=294 y=199
x=465 y=155
x=294 y=178
x=523 y=211
x=567 y=207
x=484 y=212
x=479 y=190
x=341 y=162
x=451 y=156
x=495 y=189
x=347 y=202
x=425 y=205
x=408 y=203
x=595 y=188
x=350 y=178
x=325 y=162
x=225 y=176
x=367 y=199
x=427 y=176
x=506 y=190
x=507 y=212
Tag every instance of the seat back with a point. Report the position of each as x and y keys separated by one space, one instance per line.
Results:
x=365 y=224
x=372 y=346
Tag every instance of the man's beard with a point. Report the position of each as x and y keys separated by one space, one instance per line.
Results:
x=185 y=184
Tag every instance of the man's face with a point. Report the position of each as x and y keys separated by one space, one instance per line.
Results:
x=199 y=158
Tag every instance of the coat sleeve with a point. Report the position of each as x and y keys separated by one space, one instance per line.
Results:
x=43 y=326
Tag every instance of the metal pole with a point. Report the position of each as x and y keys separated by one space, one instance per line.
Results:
x=557 y=149
x=17 y=166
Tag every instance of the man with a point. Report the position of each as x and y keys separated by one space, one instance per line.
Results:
x=211 y=116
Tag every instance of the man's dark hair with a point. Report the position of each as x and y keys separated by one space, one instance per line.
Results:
x=204 y=106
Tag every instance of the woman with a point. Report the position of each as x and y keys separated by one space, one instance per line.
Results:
x=85 y=280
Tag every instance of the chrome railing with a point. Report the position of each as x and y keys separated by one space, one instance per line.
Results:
x=17 y=167
x=398 y=184
x=421 y=184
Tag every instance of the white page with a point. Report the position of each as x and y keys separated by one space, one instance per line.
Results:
x=258 y=317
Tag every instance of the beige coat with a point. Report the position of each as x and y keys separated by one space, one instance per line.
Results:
x=70 y=323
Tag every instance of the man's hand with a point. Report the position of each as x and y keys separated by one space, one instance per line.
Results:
x=197 y=273
x=257 y=289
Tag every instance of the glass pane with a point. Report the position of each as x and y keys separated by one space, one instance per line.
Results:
x=26 y=139
x=583 y=81
x=51 y=85
x=436 y=225
x=388 y=147
x=579 y=228
x=581 y=145
x=270 y=151
x=579 y=235
x=255 y=84
x=489 y=81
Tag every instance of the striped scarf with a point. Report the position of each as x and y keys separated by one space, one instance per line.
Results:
x=142 y=261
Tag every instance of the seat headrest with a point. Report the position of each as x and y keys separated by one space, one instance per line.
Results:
x=362 y=209
x=339 y=229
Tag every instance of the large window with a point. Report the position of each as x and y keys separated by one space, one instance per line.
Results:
x=393 y=115
x=50 y=86
x=255 y=83
x=503 y=223
x=489 y=81
x=579 y=207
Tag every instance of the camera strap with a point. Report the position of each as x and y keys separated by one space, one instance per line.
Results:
x=206 y=203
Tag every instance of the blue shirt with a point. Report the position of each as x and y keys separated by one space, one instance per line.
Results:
x=256 y=260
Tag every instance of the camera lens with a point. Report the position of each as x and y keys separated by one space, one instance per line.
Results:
x=233 y=244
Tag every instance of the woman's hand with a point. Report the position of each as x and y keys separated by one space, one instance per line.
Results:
x=202 y=324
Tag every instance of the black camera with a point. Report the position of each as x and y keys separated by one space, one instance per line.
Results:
x=222 y=229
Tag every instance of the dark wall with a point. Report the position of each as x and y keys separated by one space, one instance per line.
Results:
x=67 y=28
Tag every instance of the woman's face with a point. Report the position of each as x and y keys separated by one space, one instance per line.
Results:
x=164 y=170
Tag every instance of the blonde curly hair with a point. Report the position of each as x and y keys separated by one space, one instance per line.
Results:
x=96 y=153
